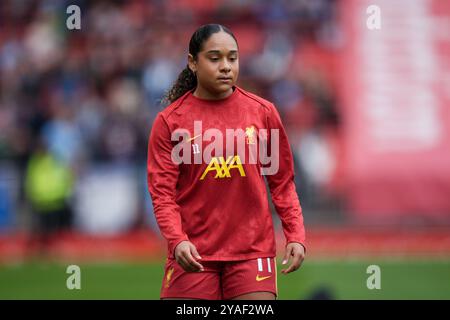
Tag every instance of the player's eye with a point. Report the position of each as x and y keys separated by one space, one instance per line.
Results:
x=214 y=58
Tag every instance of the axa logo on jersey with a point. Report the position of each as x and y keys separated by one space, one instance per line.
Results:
x=242 y=145
x=222 y=168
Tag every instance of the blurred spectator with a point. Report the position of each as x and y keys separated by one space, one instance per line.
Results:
x=62 y=137
x=49 y=186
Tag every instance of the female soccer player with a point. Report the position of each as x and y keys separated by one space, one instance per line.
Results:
x=209 y=197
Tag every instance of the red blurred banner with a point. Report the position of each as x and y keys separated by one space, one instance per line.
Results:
x=396 y=98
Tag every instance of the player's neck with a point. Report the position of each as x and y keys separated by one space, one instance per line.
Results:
x=204 y=94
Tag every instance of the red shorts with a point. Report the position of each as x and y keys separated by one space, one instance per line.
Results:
x=221 y=280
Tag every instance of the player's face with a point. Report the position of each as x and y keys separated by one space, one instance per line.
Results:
x=217 y=66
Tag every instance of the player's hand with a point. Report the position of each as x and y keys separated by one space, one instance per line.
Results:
x=295 y=251
x=186 y=255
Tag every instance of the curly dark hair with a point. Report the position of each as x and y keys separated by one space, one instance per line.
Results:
x=187 y=80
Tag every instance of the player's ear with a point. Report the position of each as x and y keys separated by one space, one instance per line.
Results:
x=192 y=63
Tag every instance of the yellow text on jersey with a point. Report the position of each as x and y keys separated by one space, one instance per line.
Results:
x=223 y=168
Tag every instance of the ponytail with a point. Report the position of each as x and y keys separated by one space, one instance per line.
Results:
x=186 y=81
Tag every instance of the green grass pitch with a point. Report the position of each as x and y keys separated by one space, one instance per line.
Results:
x=336 y=279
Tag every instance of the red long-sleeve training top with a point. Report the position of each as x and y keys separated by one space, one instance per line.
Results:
x=221 y=205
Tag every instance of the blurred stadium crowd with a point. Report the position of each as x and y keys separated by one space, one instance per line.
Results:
x=76 y=106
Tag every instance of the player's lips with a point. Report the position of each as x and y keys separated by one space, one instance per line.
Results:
x=225 y=79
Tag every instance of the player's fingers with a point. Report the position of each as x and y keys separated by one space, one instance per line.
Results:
x=194 y=265
x=302 y=257
x=302 y=254
x=195 y=252
x=289 y=269
x=183 y=263
x=287 y=255
x=295 y=264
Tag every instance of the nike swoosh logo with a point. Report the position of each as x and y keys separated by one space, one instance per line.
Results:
x=258 y=278
x=193 y=137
